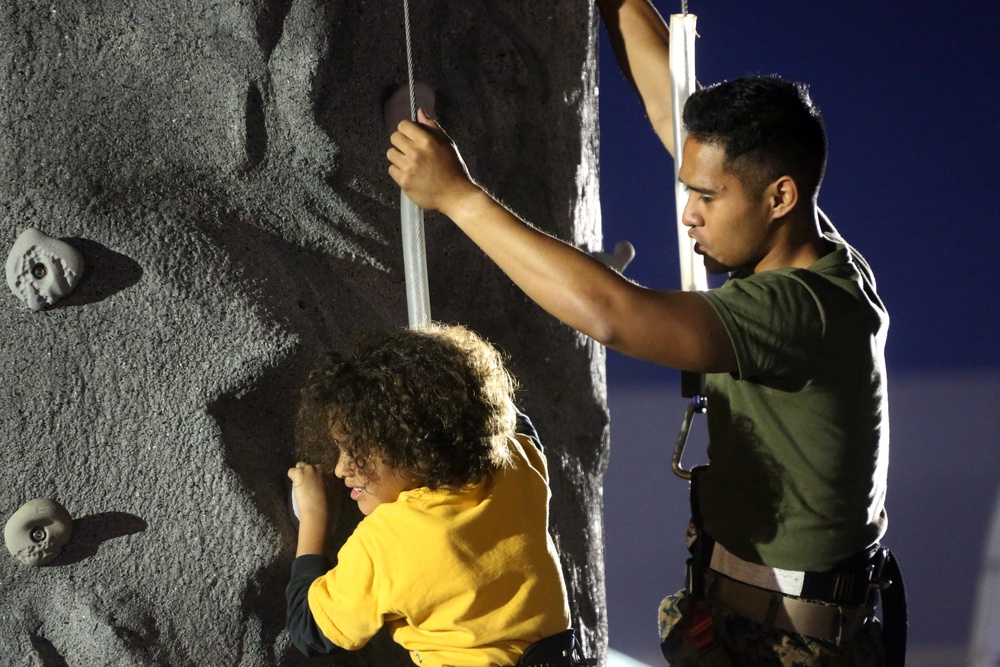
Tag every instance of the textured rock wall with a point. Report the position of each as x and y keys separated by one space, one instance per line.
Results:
x=220 y=165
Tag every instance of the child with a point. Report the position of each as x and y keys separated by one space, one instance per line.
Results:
x=454 y=553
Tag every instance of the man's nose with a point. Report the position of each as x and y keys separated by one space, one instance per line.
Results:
x=689 y=216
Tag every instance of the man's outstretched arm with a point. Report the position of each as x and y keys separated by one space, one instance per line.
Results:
x=677 y=329
x=641 y=42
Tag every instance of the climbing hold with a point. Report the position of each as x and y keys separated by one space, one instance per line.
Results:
x=293 y=507
x=622 y=256
x=37 y=532
x=41 y=270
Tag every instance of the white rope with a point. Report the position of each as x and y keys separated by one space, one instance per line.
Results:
x=683 y=83
x=418 y=305
x=693 y=275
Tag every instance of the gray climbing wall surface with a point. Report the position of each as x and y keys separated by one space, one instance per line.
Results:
x=220 y=166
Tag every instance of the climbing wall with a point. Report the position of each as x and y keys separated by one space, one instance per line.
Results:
x=220 y=166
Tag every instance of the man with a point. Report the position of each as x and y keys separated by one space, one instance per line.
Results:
x=790 y=511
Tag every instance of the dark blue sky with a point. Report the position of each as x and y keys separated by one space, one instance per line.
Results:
x=910 y=95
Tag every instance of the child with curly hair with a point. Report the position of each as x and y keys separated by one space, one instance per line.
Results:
x=453 y=553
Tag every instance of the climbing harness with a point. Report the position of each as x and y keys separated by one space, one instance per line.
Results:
x=560 y=650
x=693 y=276
x=833 y=606
x=418 y=307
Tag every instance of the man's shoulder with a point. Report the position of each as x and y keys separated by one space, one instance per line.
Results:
x=842 y=268
x=785 y=285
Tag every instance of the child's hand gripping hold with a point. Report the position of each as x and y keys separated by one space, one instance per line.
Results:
x=309 y=493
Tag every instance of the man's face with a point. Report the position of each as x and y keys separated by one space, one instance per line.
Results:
x=729 y=226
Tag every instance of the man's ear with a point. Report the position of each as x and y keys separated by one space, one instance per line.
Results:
x=782 y=196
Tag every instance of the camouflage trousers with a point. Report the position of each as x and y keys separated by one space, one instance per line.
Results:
x=735 y=641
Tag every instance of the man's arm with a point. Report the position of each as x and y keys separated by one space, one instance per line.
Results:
x=641 y=42
x=677 y=329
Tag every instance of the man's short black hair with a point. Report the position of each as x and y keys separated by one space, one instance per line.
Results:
x=767 y=127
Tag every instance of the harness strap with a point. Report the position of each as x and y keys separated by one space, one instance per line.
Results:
x=771 y=609
x=848 y=584
x=699 y=547
x=559 y=650
x=889 y=582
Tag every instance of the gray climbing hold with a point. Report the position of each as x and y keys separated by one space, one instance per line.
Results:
x=37 y=532
x=293 y=508
x=41 y=270
x=622 y=256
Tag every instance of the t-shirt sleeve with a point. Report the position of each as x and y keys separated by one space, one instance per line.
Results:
x=527 y=450
x=299 y=622
x=775 y=322
x=349 y=601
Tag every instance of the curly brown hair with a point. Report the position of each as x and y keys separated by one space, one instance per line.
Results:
x=435 y=402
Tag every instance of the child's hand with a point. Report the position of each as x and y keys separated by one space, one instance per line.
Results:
x=309 y=487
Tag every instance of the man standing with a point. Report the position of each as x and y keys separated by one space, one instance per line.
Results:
x=789 y=513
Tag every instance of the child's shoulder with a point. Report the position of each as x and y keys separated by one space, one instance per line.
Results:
x=524 y=448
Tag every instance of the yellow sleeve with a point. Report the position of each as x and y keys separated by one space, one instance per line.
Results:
x=530 y=453
x=345 y=601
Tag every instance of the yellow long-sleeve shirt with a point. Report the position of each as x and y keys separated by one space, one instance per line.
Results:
x=466 y=577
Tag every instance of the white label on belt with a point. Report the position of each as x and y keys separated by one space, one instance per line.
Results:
x=788 y=582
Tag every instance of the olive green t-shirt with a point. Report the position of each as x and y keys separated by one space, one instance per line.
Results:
x=799 y=436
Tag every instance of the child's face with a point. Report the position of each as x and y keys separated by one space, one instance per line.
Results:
x=370 y=493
